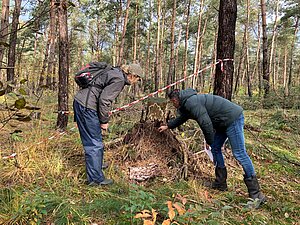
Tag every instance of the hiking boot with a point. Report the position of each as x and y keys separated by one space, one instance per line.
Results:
x=104 y=182
x=254 y=190
x=220 y=181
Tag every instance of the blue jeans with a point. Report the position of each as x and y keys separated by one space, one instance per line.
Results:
x=91 y=137
x=235 y=135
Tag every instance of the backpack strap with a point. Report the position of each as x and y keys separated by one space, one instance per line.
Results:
x=99 y=73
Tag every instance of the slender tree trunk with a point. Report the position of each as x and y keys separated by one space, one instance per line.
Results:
x=135 y=38
x=258 y=59
x=225 y=48
x=148 y=60
x=214 y=57
x=52 y=43
x=185 y=59
x=266 y=74
x=292 y=57
x=171 y=65
x=177 y=57
x=256 y=69
x=273 y=43
x=239 y=81
x=249 y=78
x=157 y=57
x=13 y=42
x=116 y=34
x=123 y=34
x=4 y=30
x=62 y=118
x=19 y=60
x=45 y=62
x=163 y=49
x=284 y=70
x=197 y=47
x=200 y=76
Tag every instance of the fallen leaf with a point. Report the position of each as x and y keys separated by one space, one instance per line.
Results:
x=166 y=222
x=148 y=222
x=143 y=214
x=171 y=212
x=180 y=210
x=154 y=214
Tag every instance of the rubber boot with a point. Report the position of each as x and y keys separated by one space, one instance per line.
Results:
x=220 y=181
x=254 y=189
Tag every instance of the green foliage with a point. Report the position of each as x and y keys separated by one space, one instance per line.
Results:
x=138 y=200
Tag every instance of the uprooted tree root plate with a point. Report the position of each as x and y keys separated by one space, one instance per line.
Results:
x=148 y=153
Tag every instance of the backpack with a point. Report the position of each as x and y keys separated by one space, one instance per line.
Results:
x=87 y=75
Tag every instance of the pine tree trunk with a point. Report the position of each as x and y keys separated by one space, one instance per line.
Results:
x=292 y=57
x=52 y=43
x=249 y=78
x=170 y=78
x=4 y=30
x=225 y=48
x=157 y=57
x=116 y=34
x=285 y=72
x=197 y=47
x=214 y=57
x=123 y=34
x=185 y=59
x=13 y=42
x=148 y=60
x=273 y=43
x=258 y=52
x=62 y=118
x=266 y=74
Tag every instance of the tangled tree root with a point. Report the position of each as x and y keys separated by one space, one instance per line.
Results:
x=148 y=153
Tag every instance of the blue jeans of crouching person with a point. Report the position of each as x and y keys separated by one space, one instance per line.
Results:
x=235 y=135
x=91 y=137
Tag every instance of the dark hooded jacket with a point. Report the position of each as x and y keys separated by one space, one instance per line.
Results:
x=100 y=99
x=211 y=112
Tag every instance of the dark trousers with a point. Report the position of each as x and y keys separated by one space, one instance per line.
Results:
x=91 y=137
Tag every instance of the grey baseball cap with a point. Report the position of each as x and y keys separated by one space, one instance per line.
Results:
x=135 y=69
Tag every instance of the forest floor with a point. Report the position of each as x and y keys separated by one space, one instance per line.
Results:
x=45 y=182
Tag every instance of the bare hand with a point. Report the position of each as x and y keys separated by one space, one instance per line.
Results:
x=162 y=128
x=104 y=126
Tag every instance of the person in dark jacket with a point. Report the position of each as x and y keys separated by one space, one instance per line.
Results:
x=218 y=119
x=91 y=109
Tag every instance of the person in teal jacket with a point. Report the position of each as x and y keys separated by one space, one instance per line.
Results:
x=218 y=119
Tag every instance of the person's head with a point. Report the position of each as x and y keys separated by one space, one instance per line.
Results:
x=174 y=98
x=133 y=71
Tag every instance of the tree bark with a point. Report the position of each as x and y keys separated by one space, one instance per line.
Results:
x=225 y=48
x=273 y=43
x=62 y=118
x=248 y=74
x=266 y=74
x=123 y=34
x=292 y=57
x=157 y=57
x=185 y=59
x=116 y=34
x=148 y=60
x=4 y=30
x=52 y=43
x=13 y=42
x=171 y=65
x=197 y=47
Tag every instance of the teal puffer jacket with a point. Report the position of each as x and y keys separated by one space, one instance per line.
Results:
x=211 y=112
